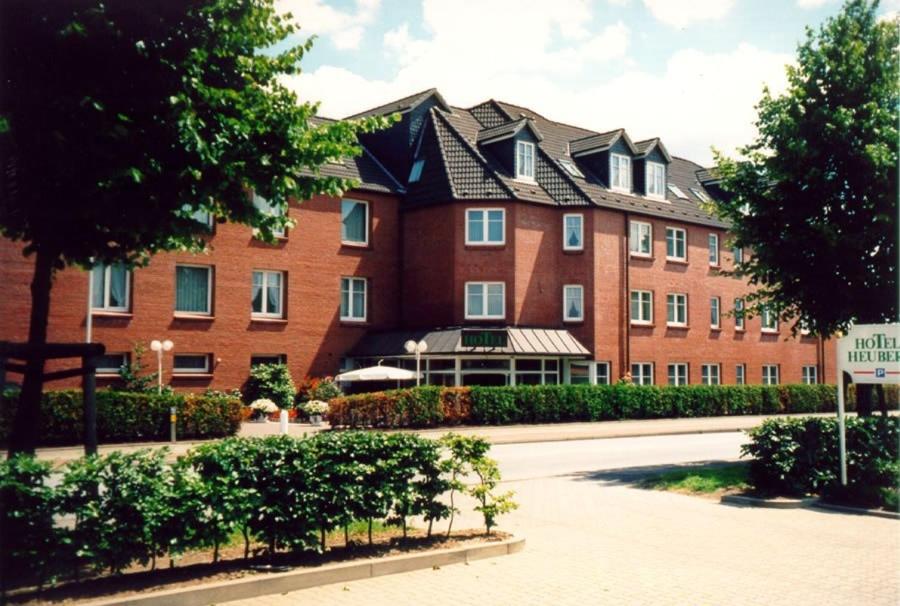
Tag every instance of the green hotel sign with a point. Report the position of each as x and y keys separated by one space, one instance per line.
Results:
x=485 y=338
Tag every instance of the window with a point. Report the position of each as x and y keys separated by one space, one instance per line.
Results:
x=810 y=375
x=535 y=371
x=740 y=374
x=201 y=216
x=678 y=374
x=353 y=299
x=571 y=168
x=485 y=300
x=709 y=374
x=191 y=364
x=642 y=373
x=714 y=314
x=266 y=207
x=738 y=255
x=701 y=195
x=110 y=287
x=676 y=309
x=111 y=363
x=714 y=250
x=770 y=374
x=354 y=222
x=573 y=232
x=676 y=244
x=524 y=160
x=260 y=359
x=268 y=294
x=641 y=307
x=620 y=172
x=677 y=191
x=739 y=314
x=656 y=180
x=769 y=320
x=193 y=289
x=640 y=238
x=485 y=226
x=415 y=172
x=573 y=303
x=602 y=373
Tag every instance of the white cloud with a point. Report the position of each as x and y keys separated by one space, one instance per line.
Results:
x=681 y=13
x=812 y=3
x=344 y=28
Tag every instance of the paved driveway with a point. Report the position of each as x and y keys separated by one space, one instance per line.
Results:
x=594 y=539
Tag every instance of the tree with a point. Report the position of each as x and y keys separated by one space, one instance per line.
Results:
x=815 y=195
x=119 y=120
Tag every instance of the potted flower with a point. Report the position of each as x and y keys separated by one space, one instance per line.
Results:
x=261 y=408
x=315 y=409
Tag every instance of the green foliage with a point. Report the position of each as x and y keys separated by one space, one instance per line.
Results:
x=325 y=389
x=702 y=480
x=463 y=452
x=799 y=456
x=815 y=196
x=490 y=504
x=273 y=382
x=134 y=379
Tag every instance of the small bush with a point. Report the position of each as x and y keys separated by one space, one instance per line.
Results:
x=270 y=382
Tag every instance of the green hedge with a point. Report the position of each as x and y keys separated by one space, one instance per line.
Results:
x=128 y=417
x=801 y=456
x=434 y=406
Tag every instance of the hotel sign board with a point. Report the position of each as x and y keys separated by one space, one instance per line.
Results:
x=493 y=339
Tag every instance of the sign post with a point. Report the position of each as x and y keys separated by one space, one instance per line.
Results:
x=869 y=353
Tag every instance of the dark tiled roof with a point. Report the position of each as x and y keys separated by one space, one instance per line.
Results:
x=642 y=148
x=502 y=131
x=400 y=105
x=599 y=142
x=470 y=176
x=707 y=175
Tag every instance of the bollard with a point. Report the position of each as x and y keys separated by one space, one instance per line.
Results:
x=173 y=418
x=283 y=422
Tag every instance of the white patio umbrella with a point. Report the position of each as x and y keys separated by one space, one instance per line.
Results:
x=377 y=373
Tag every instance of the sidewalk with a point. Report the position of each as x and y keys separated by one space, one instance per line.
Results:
x=506 y=434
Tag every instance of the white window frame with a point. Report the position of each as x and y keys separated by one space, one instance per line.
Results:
x=209 y=290
x=526 y=146
x=810 y=375
x=605 y=374
x=740 y=318
x=767 y=374
x=677 y=191
x=566 y=218
x=701 y=195
x=765 y=316
x=265 y=292
x=191 y=371
x=263 y=205
x=706 y=374
x=678 y=380
x=640 y=321
x=108 y=370
x=672 y=302
x=106 y=282
x=484 y=294
x=740 y=374
x=627 y=172
x=570 y=167
x=642 y=366
x=675 y=231
x=351 y=290
x=484 y=217
x=652 y=192
x=580 y=317
x=365 y=240
x=634 y=244
x=281 y=359
x=715 y=312
x=714 y=259
x=738 y=254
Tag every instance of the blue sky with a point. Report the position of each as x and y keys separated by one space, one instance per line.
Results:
x=688 y=71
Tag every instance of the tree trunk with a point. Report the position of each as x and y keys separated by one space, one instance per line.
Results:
x=25 y=427
x=882 y=400
x=864 y=393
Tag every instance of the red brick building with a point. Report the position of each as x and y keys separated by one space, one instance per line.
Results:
x=520 y=249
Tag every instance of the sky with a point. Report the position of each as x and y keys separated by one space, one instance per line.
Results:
x=687 y=71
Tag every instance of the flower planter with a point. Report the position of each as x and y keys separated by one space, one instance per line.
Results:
x=316 y=420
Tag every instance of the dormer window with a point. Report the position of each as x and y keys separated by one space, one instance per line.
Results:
x=620 y=172
x=525 y=160
x=656 y=180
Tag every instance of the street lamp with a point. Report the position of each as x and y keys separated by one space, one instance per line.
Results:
x=416 y=348
x=159 y=347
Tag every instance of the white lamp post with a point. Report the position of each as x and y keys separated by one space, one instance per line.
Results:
x=159 y=347
x=418 y=349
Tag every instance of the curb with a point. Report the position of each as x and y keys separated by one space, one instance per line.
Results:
x=778 y=503
x=878 y=513
x=283 y=582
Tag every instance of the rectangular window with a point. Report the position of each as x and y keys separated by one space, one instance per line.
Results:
x=573 y=303
x=353 y=299
x=739 y=314
x=485 y=226
x=111 y=363
x=266 y=207
x=701 y=195
x=656 y=180
x=714 y=313
x=524 y=160
x=810 y=375
x=714 y=250
x=415 y=173
x=268 y=294
x=679 y=193
x=676 y=309
x=676 y=244
x=740 y=374
x=602 y=373
x=201 y=216
x=678 y=374
x=642 y=373
x=738 y=254
x=620 y=172
x=191 y=364
x=573 y=232
x=770 y=374
x=641 y=307
x=193 y=289
x=571 y=168
x=485 y=300
x=110 y=287
x=709 y=374
x=354 y=222
x=640 y=238
x=261 y=359
x=769 y=320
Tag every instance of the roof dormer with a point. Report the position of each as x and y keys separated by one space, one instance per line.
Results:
x=514 y=145
x=609 y=156
x=650 y=167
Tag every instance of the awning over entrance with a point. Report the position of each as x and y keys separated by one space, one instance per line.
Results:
x=505 y=341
